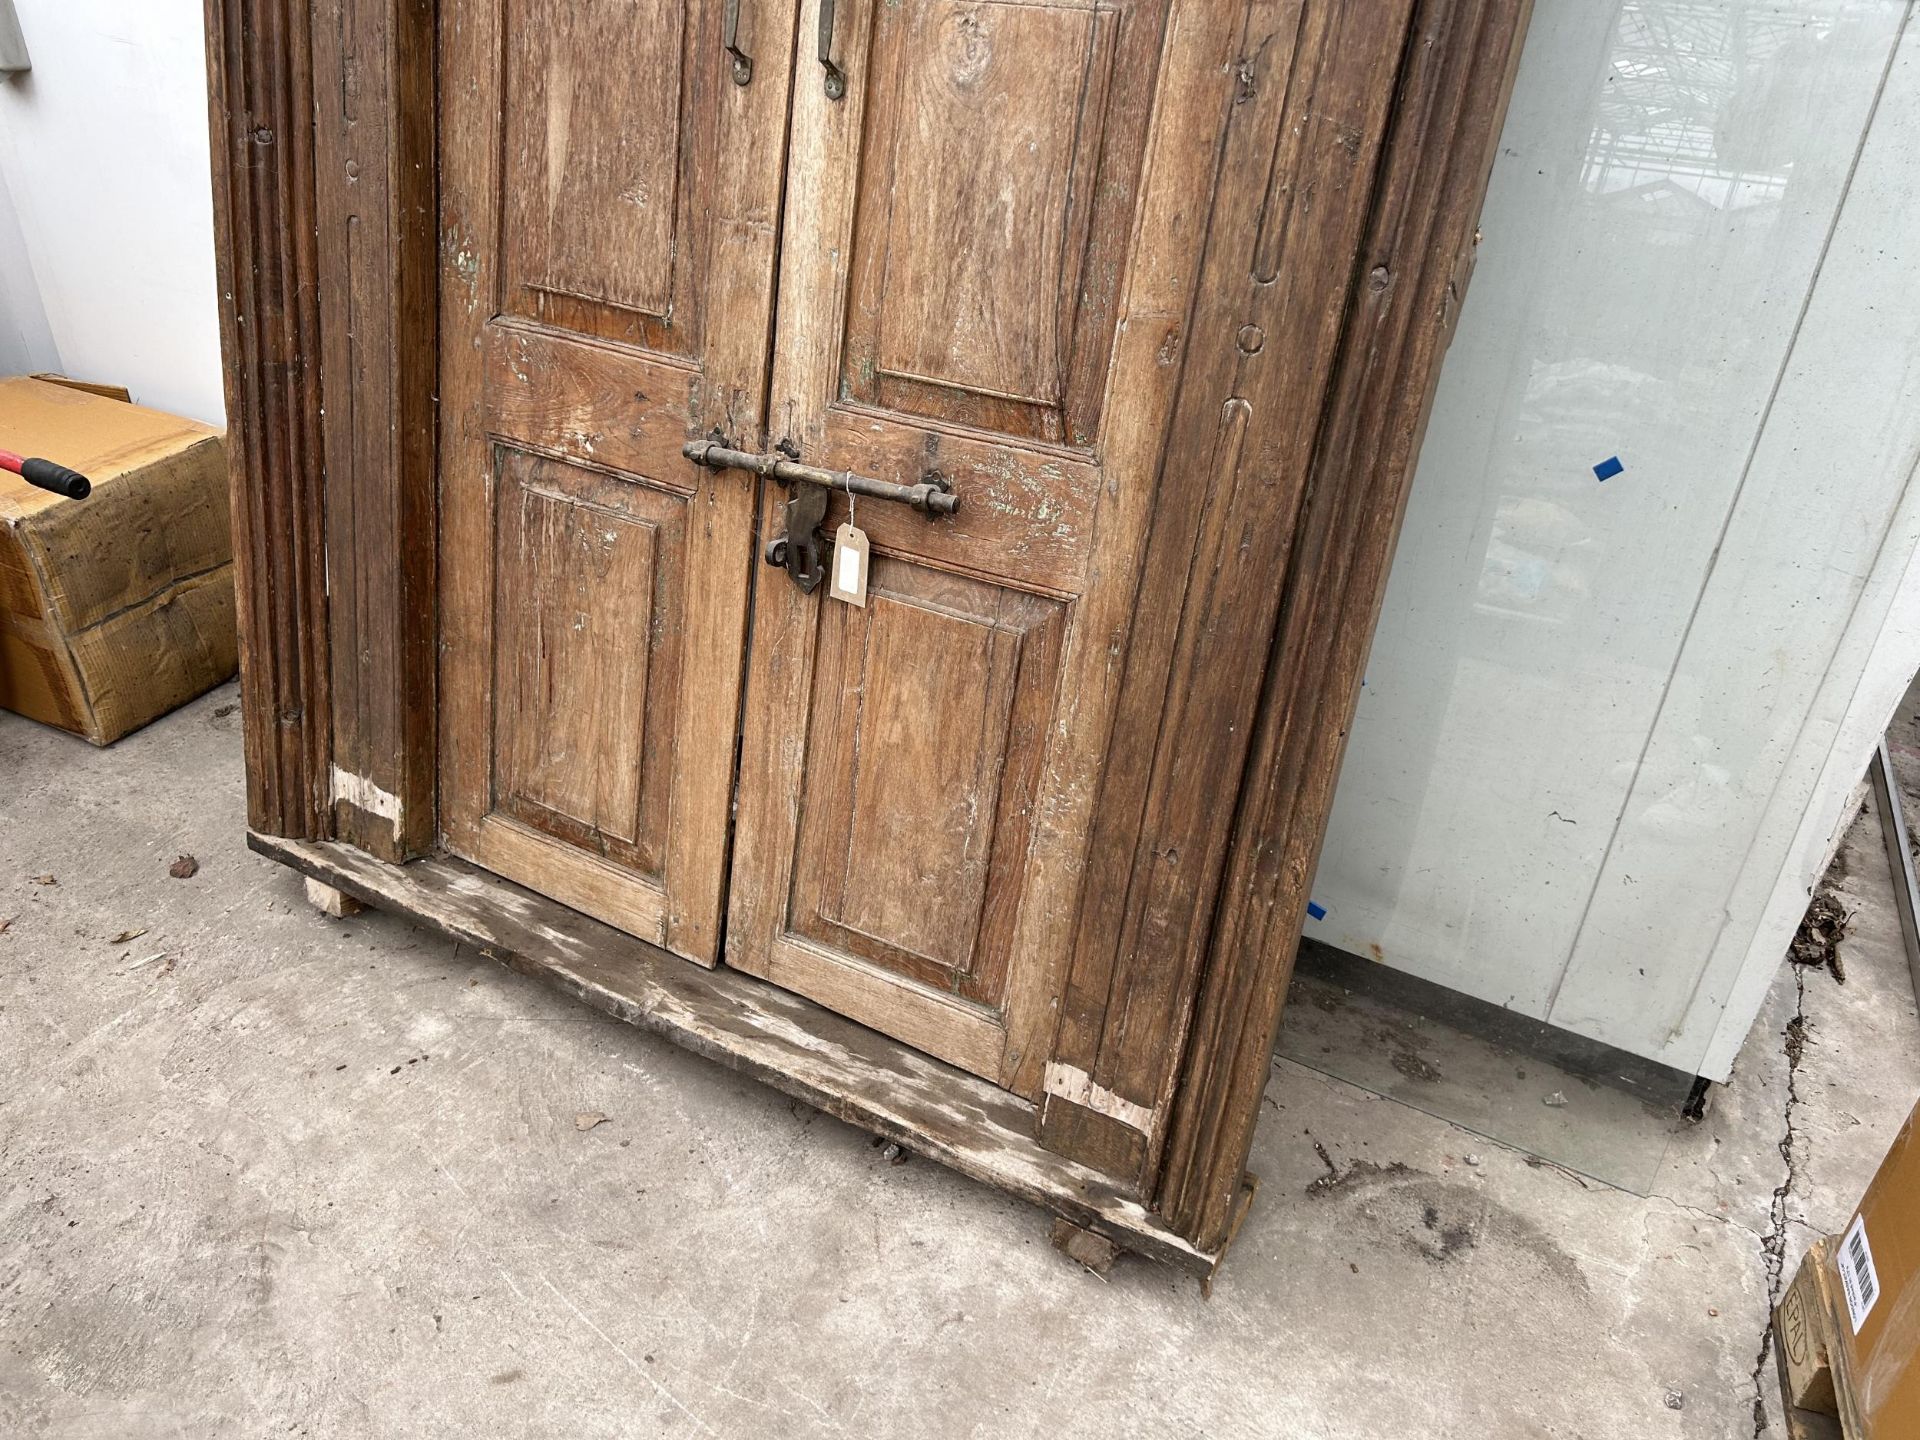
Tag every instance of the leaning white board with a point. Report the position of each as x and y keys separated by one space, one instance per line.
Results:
x=1608 y=722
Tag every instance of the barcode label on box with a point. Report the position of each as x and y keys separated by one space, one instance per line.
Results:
x=1857 y=1276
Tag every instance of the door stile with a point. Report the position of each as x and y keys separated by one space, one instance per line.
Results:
x=740 y=317
x=1417 y=256
x=1275 y=282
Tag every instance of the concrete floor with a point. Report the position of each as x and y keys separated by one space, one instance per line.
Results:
x=310 y=1177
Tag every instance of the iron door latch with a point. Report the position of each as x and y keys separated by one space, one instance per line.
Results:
x=801 y=552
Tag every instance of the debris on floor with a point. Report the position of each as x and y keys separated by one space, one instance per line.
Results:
x=1094 y=1252
x=1817 y=941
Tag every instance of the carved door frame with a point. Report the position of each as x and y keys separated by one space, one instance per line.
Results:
x=1266 y=570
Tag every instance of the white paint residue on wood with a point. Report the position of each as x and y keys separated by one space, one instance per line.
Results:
x=1070 y=1082
x=363 y=794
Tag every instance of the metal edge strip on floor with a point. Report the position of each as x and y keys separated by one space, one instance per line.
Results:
x=746 y=1024
x=1893 y=832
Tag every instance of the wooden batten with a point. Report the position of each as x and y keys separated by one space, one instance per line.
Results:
x=1417 y=256
x=375 y=229
x=260 y=92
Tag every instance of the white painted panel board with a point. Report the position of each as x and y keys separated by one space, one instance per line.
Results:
x=1825 y=506
x=1805 y=823
x=1668 y=181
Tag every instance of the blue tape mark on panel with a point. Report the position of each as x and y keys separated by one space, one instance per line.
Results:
x=1316 y=910
x=1608 y=468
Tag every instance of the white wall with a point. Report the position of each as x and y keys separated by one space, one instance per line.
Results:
x=26 y=340
x=105 y=195
x=1599 y=715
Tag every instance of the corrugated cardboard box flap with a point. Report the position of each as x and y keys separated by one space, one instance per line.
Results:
x=100 y=437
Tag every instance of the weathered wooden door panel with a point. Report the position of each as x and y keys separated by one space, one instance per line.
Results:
x=609 y=209
x=1001 y=148
x=921 y=768
x=971 y=271
x=990 y=218
x=587 y=650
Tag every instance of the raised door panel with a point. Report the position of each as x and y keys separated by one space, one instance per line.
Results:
x=927 y=725
x=587 y=653
x=609 y=199
x=1001 y=147
x=601 y=150
x=971 y=273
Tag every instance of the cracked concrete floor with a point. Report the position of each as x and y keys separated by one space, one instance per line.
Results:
x=263 y=1172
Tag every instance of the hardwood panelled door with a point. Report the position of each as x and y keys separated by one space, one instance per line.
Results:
x=609 y=210
x=985 y=249
x=974 y=284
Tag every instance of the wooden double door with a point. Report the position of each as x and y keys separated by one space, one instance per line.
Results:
x=898 y=238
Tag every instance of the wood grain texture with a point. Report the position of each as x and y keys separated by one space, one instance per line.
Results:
x=1297 y=169
x=593 y=123
x=1415 y=262
x=589 y=657
x=1038 y=520
x=790 y=1043
x=925 y=711
x=1019 y=127
x=609 y=199
x=260 y=97
x=576 y=592
x=993 y=814
x=374 y=133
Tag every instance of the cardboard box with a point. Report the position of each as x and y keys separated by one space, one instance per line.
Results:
x=1804 y=1326
x=1875 y=1281
x=1849 y=1326
x=116 y=608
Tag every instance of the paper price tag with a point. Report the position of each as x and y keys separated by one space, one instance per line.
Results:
x=850 y=558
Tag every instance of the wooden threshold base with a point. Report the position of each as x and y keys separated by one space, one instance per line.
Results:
x=746 y=1024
